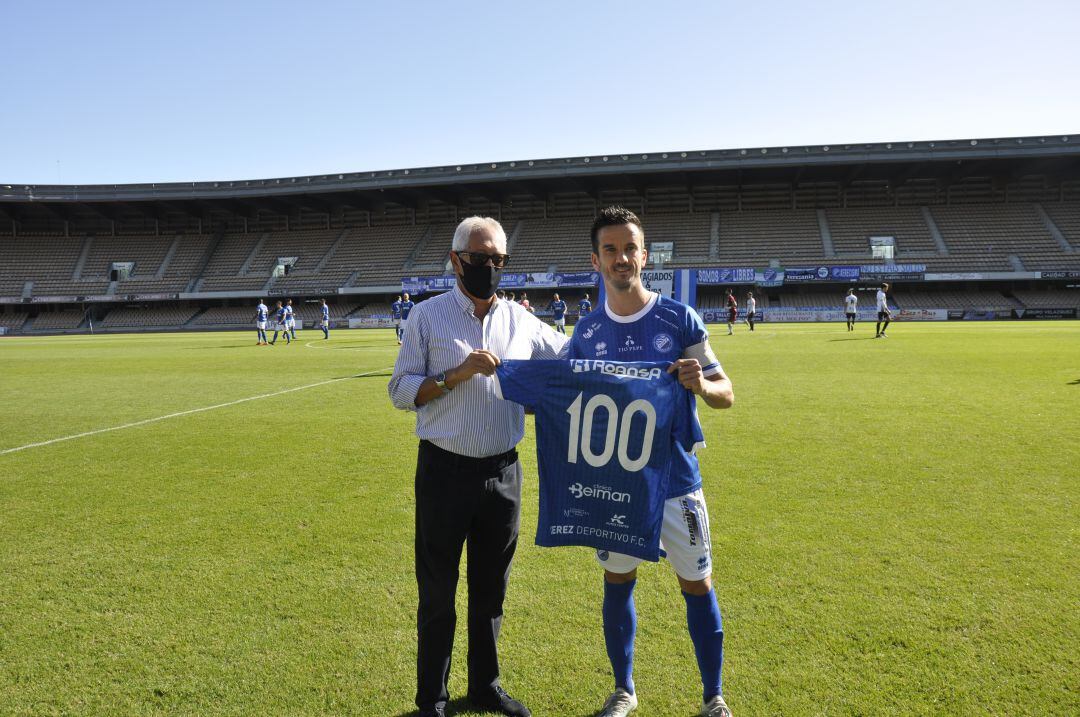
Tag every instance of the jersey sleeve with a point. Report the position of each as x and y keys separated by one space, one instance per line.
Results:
x=524 y=381
x=696 y=341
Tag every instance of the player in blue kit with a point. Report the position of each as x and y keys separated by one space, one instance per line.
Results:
x=558 y=313
x=635 y=324
x=584 y=306
x=261 y=312
x=324 y=322
x=395 y=311
x=406 y=307
x=279 y=325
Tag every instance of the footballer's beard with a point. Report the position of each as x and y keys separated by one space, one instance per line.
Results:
x=622 y=277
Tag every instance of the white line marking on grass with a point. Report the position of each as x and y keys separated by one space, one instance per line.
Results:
x=188 y=412
x=345 y=348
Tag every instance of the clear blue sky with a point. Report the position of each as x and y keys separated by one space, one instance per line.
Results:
x=148 y=91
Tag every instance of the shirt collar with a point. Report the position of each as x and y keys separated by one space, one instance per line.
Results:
x=465 y=303
x=652 y=301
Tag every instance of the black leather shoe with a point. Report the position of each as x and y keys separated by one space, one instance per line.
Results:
x=436 y=711
x=498 y=701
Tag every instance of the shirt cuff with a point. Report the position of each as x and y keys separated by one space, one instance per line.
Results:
x=406 y=390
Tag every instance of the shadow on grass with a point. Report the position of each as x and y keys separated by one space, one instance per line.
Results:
x=1074 y=383
x=453 y=707
x=855 y=338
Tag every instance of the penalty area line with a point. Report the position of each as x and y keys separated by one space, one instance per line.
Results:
x=178 y=414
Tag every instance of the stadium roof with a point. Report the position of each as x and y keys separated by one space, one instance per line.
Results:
x=1057 y=158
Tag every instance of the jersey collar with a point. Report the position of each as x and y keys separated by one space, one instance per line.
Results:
x=633 y=317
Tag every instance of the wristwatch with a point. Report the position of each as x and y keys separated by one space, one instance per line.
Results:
x=440 y=381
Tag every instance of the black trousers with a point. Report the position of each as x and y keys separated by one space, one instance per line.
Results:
x=475 y=502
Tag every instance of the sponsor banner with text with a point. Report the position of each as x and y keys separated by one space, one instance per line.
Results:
x=821 y=273
x=1063 y=313
x=726 y=275
x=371 y=322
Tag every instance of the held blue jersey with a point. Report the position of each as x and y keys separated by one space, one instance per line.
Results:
x=584 y=306
x=664 y=330
x=395 y=309
x=406 y=307
x=606 y=433
x=558 y=309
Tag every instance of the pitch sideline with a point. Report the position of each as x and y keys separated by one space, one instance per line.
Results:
x=146 y=421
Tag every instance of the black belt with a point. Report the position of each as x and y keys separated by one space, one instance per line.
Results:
x=457 y=462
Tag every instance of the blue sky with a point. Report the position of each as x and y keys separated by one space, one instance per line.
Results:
x=122 y=92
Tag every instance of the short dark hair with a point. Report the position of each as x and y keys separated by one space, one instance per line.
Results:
x=612 y=216
x=884 y=285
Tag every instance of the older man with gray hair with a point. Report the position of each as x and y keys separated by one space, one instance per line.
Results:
x=468 y=477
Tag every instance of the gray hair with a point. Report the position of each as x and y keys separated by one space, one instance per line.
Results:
x=471 y=225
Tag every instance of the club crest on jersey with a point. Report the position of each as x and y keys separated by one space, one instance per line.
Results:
x=663 y=343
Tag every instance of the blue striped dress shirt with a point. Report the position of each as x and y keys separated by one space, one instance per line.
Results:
x=439 y=335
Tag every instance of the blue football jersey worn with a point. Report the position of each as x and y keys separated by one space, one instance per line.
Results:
x=325 y=312
x=395 y=309
x=584 y=306
x=665 y=330
x=281 y=315
x=558 y=309
x=606 y=434
x=406 y=307
x=261 y=312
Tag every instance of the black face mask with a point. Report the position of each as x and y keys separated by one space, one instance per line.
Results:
x=480 y=281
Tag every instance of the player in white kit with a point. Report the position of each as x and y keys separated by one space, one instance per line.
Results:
x=851 y=307
x=883 y=313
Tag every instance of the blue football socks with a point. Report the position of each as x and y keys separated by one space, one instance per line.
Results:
x=707 y=633
x=620 y=627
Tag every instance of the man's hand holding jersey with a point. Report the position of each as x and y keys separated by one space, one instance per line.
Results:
x=479 y=361
x=715 y=389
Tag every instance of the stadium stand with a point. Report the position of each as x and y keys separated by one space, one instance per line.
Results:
x=57 y=320
x=956 y=299
x=688 y=232
x=750 y=238
x=311 y=312
x=983 y=237
x=13 y=321
x=1048 y=299
x=375 y=256
x=43 y=261
x=1066 y=216
x=718 y=300
x=852 y=228
x=147 y=317
x=553 y=245
x=240 y=316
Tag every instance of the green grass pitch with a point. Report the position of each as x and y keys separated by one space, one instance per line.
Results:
x=895 y=528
